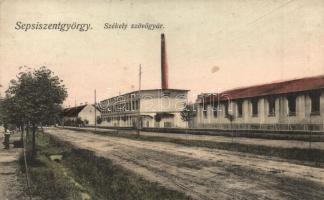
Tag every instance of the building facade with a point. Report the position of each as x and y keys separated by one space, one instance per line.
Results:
x=289 y=105
x=145 y=108
x=85 y=113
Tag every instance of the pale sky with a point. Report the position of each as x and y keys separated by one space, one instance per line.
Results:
x=211 y=45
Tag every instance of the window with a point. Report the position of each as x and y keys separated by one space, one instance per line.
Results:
x=254 y=103
x=226 y=109
x=215 y=109
x=205 y=110
x=167 y=124
x=271 y=106
x=133 y=105
x=136 y=105
x=239 y=108
x=315 y=103
x=291 y=105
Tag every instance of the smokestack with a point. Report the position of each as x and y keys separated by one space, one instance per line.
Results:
x=164 y=65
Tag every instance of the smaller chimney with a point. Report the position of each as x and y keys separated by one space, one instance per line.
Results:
x=164 y=64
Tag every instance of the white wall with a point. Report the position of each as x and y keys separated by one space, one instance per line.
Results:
x=153 y=102
x=88 y=113
x=303 y=110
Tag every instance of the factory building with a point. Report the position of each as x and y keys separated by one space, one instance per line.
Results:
x=155 y=108
x=146 y=108
x=289 y=105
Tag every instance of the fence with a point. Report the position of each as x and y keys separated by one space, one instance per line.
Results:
x=269 y=127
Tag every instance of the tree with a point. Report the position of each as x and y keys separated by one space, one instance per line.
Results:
x=15 y=105
x=99 y=120
x=35 y=98
x=157 y=118
x=230 y=117
x=188 y=113
x=79 y=122
x=8 y=114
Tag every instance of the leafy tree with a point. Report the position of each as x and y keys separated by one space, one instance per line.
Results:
x=157 y=118
x=15 y=105
x=34 y=99
x=79 y=122
x=99 y=120
x=8 y=115
x=188 y=113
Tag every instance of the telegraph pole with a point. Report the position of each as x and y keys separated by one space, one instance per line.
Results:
x=95 y=112
x=76 y=114
x=139 y=100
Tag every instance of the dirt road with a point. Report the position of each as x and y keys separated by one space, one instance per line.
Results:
x=241 y=140
x=205 y=173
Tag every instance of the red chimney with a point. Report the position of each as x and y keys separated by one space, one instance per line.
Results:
x=164 y=65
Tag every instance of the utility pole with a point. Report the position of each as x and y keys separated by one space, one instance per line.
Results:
x=139 y=100
x=0 y=90
x=310 y=131
x=76 y=114
x=95 y=107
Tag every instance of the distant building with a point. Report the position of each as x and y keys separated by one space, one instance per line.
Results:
x=86 y=113
x=155 y=108
x=289 y=105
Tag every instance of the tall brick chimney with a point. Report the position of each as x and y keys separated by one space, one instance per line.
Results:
x=164 y=65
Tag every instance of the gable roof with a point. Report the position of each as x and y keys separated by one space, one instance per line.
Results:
x=74 y=111
x=283 y=87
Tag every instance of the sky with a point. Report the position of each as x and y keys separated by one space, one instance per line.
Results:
x=212 y=45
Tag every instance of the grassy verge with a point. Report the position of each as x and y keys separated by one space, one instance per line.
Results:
x=313 y=157
x=49 y=179
x=83 y=175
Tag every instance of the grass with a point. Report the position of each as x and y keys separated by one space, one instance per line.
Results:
x=313 y=157
x=83 y=175
x=110 y=181
x=49 y=179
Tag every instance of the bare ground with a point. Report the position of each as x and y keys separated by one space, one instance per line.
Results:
x=241 y=140
x=205 y=173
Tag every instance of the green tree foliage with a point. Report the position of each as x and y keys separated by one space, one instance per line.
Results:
x=99 y=120
x=188 y=113
x=34 y=99
x=79 y=122
x=157 y=118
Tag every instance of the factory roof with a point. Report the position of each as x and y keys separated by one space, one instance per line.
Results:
x=276 y=88
x=149 y=90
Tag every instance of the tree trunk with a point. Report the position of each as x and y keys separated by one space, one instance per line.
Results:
x=187 y=127
x=27 y=132
x=42 y=129
x=22 y=135
x=34 y=141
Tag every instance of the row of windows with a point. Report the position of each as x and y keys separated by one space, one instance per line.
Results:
x=291 y=100
x=117 y=118
x=121 y=107
x=119 y=99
